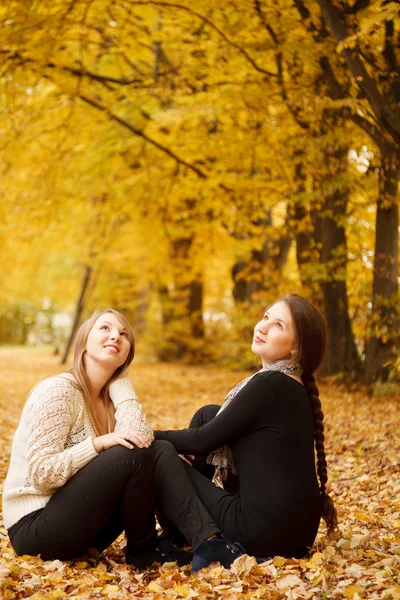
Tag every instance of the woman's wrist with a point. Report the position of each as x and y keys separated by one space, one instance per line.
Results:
x=98 y=444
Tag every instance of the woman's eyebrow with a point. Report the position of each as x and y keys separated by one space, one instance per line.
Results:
x=108 y=323
x=276 y=318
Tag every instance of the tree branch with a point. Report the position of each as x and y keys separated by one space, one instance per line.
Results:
x=141 y=134
x=95 y=76
x=376 y=136
x=210 y=24
x=383 y=111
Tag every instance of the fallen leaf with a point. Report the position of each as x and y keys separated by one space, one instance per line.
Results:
x=243 y=564
x=289 y=581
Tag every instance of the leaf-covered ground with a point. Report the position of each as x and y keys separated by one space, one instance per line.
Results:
x=363 y=448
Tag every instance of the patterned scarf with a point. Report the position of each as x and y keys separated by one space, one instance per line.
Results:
x=223 y=458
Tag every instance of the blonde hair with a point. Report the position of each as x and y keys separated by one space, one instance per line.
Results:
x=78 y=369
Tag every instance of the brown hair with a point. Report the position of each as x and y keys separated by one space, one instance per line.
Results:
x=310 y=342
x=78 y=366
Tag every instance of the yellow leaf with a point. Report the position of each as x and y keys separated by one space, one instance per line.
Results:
x=315 y=561
x=81 y=565
x=182 y=590
x=54 y=577
x=353 y=589
x=279 y=561
x=154 y=587
x=109 y=589
x=216 y=572
x=362 y=515
x=316 y=580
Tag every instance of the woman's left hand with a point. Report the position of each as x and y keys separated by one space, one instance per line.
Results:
x=138 y=438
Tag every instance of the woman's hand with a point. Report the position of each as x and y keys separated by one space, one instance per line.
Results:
x=129 y=440
x=187 y=458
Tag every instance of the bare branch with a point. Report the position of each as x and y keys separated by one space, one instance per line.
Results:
x=212 y=26
x=95 y=76
x=141 y=134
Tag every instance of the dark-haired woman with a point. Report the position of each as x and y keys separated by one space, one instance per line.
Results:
x=261 y=441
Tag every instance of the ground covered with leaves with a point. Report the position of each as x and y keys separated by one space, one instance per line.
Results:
x=363 y=451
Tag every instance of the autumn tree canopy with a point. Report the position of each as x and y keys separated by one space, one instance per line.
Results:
x=187 y=163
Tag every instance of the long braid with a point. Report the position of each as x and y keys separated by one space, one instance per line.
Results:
x=328 y=509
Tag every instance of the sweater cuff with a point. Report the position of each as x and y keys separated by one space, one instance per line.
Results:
x=83 y=452
x=160 y=435
x=121 y=390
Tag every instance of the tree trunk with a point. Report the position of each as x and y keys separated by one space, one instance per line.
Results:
x=195 y=308
x=261 y=272
x=306 y=227
x=182 y=305
x=341 y=353
x=385 y=312
x=78 y=312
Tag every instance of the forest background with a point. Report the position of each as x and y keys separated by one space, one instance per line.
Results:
x=187 y=163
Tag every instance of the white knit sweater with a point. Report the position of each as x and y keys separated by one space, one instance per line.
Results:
x=54 y=439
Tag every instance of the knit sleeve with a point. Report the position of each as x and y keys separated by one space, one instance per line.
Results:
x=128 y=411
x=52 y=411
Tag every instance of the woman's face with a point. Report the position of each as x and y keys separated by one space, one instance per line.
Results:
x=274 y=335
x=107 y=342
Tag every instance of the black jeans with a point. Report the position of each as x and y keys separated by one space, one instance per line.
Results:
x=176 y=500
x=116 y=491
x=111 y=493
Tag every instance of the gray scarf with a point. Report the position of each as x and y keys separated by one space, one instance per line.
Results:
x=223 y=458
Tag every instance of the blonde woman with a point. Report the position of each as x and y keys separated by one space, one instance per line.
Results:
x=84 y=467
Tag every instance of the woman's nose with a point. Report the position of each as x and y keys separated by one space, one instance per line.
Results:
x=262 y=327
x=115 y=335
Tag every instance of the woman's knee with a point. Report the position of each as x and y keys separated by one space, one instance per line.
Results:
x=139 y=457
x=162 y=448
x=204 y=415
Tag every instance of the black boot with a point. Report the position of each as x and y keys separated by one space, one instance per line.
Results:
x=161 y=553
x=173 y=537
x=218 y=549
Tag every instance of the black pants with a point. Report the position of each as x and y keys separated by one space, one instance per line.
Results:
x=259 y=537
x=217 y=501
x=223 y=504
x=116 y=491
